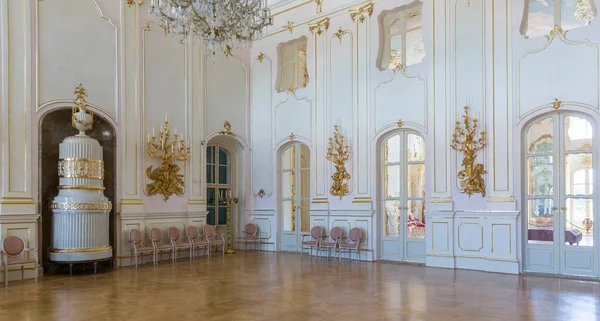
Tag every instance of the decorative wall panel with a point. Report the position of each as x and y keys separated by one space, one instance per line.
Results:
x=262 y=138
x=402 y=97
x=293 y=115
x=85 y=52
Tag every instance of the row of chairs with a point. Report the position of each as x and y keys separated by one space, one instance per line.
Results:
x=337 y=241
x=193 y=241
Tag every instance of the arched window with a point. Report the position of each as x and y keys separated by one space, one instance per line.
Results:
x=401 y=37
x=540 y=16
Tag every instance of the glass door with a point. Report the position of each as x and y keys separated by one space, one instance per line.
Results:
x=403 y=198
x=560 y=196
x=218 y=183
x=295 y=196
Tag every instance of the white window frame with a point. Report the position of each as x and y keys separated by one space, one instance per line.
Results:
x=215 y=184
x=386 y=20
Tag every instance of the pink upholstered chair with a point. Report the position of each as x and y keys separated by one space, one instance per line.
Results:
x=352 y=242
x=335 y=237
x=156 y=237
x=251 y=235
x=139 y=246
x=213 y=239
x=196 y=240
x=12 y=251
x=316 y=233
x=179 y=242
x=412 y=221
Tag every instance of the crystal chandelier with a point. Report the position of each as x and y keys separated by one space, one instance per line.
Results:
x=218 y=23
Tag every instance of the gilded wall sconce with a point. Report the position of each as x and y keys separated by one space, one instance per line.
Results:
x=464 y=140
x=166 y=178
x=338 y=154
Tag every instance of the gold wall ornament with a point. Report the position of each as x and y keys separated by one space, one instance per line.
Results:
x=399 y=67
x=557 y=31
x=464 y=140
x=166 y=177
x=361 y=13
x=340 y=33
x=292 y=136
x=292 y=90
x=319 y=26
x=556 y=104
x=227 y=129
x=227 y=51
x=289 y=26
x=132 y=2
x=261 y=193
x=81 y=105
x=261 y=56
x=319 y=5
x=338 y=154
x=400 y=123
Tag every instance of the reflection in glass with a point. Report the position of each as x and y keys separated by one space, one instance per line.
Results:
x=210 y=174
x=392 y=150
x=288 y=213
x=416 y=180
x=224 y=175
x=579 y=134
x=392 y=218
x=543 y=15
x=540 y=17
x=579 y=174
x=391 y=185
x=539 y=137
x=416 y=148
x=576 y=13
x=305 y=215
x=415 y=223
x=415 y=47
x=541 y=220
x=541 y=175
x=579 y=214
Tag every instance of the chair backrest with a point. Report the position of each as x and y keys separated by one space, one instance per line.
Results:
x=355 y=234
x=156 y=234
x=193 y=232
x=410 y=217
x=174 y=233
x=316 y=232
x=135 y=236
x=13 y=245
x=250 y=229
x=336 y=233
x=208 y=230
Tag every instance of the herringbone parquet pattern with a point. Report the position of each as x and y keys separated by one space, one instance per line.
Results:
x=275 y=286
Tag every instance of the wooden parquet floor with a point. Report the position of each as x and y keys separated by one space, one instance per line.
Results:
x=277 y=286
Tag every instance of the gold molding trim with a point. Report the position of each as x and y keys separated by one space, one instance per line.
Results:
x=80 y=168
x=319 y=26
x=360 y=13
x=132 y=2
x=289 y=26
x=82 y=206
x=82 y=250
x=464 y=140
x=319 y=4
x=82 y=187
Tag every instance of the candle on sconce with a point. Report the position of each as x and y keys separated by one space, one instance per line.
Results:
x=153 y=133
x=175 y=130
x=148 y=138
x=166 y=117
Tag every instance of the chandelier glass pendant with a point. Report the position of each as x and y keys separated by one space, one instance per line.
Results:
x=218 y=23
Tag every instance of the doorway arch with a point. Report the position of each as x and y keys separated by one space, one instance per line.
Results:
x=560 y=168
x=294 y=199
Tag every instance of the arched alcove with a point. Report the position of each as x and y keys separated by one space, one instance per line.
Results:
x=54 y=127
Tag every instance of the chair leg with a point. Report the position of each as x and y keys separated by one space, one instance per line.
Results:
x=22 y=273
x=5 y=276
x=35 y=269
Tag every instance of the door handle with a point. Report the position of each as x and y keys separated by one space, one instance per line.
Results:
x=555 y=208
x=563 y=208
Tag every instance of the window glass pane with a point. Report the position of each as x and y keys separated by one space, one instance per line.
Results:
x=392 y=218
x=576 y=13
x=304 y=156
x=391 y=152
x=210 y=154
x=579 y=133
x=413 y=20
x=415 y=47
x=395 y=51
x=222 y=196
x=305 y=215
x=305 y=184
x=288 y=53
x=288 y=76
x=540 y=18
x=288 y=208
x=540 y=175
x=539 y=137
x=302 y=74
x=415 y=220
x=575 y=163
x=396 y=27
x=541 y=220
x=391 y=185
x=224 y=158
x=287 y=158
x=210 y=174
x=210 y=196
x=210 y=218
x=222 y=215
x=579 y=214
x=224 y=175
x=416 y=180
x=287 y=184
x=416 y=148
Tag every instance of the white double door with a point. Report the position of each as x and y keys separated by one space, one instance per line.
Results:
x=295 y=196
x=560 y=165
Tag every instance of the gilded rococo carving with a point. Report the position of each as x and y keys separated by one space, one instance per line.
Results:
x=465 y=140
x=338 y=154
